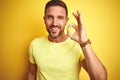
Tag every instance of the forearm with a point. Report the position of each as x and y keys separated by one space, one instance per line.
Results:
x=95 y=68
x=31 y=76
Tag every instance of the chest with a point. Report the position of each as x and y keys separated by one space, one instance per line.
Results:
x=57 y=58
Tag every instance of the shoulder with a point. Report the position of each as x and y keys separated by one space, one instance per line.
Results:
x=38 y=40
x=72 y=42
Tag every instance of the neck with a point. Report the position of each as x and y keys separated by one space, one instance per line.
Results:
x=60 y=38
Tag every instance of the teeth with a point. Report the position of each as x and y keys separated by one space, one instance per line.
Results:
x=54 y=29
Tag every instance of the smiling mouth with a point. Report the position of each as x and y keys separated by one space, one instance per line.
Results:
x=54 y=29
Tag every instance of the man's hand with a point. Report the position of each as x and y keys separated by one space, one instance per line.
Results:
x=80 y=33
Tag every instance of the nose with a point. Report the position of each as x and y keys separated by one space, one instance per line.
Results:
x=55 y=22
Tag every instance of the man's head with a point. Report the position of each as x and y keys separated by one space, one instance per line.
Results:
x=55 y=18
x=57 y=3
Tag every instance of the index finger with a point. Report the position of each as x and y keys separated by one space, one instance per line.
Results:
x=78 y=17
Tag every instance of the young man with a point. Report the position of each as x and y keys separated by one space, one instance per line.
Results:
x=59 y=56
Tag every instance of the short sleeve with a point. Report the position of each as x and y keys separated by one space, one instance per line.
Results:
x=31 y=56
x=81 y=56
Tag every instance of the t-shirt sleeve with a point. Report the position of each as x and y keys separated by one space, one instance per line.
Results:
x=81 y=56
x=31 y=56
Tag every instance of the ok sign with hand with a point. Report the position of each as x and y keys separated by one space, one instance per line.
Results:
x=80 y=33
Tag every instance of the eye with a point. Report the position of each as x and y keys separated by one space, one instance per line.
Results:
x=49 y=17
x=60 y=17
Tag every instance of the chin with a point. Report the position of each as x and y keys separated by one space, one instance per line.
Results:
x=54 y=36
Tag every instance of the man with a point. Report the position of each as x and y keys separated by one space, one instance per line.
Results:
x=59 y=56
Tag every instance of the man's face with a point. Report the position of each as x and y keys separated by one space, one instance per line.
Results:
x=55 y=20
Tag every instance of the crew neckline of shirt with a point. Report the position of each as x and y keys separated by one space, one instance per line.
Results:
x=57 y=43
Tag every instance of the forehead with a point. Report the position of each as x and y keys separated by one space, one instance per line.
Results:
x=56 y=10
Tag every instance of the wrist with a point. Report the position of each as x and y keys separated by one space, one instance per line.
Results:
x=85 y=42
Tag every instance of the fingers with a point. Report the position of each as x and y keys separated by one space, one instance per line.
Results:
x=78 y=13
x=72 y=25
x=69 y=33
x=78 y=18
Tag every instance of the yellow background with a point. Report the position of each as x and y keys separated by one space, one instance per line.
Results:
x=22 y=20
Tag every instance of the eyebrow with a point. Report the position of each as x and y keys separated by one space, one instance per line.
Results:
x=59 y=16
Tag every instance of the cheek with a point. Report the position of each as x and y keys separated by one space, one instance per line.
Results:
x=47 y=23
x=63 y=24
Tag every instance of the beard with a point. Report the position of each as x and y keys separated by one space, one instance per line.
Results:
x=55 y=31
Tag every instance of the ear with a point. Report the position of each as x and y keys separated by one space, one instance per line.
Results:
x=44 y=17
x=67 y=19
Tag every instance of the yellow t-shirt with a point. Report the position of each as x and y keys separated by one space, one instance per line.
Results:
x=56 y=61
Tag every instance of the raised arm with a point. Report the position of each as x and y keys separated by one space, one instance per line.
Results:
x=91 y=63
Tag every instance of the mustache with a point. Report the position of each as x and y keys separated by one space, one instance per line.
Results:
x=53 y=26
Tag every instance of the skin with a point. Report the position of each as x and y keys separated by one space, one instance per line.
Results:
x=55 y=20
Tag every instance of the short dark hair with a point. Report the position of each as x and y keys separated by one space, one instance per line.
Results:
x=57 y=3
